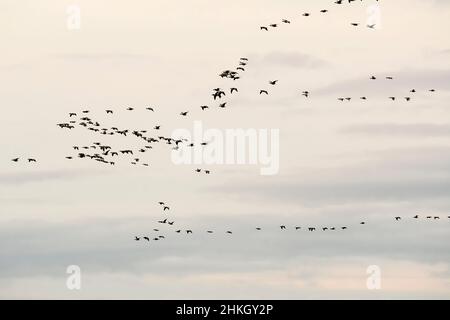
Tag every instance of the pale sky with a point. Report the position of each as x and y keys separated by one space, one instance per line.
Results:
x=340 y=162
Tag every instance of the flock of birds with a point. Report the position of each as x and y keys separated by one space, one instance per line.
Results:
x=166 y=221
x=109 y=155
x=309 y=14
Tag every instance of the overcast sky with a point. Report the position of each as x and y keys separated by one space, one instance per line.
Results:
x=340 y=163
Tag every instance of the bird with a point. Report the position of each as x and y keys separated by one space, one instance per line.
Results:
x=188 y=231
x=150 y=109
x=209 y=231
x=222 y=105
x=355 y=24
x=285 y=21
x=416 y=216
x=371 y=26
x=263 y=91
x=273 y=82
x=398 y=218
x=130 y=109
x=408 y=98
x=389 y=78
x=31 y=160
x=166 y=208
x=184 y=113
x=259 y=229
x=229 y=232
x=137 y=238
x=109 y=111
x=72 y=114
x=432 y=90
x=146 y=238
x=298 y=228
x=207 y=171
x=273 y=25
x=323 y=11
x=305 y=93
x=204 y=107
x=282 y=227
x=306 y=14
x=15 y=159
x=392 y=98
x=373 y=78
x=264 y=28
x=233 y=90
x=157 y=127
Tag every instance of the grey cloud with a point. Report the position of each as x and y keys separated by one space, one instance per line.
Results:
x=291 y=60
x=394 y=129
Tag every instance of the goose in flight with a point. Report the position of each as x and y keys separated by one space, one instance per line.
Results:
x=273 y=82
x=188 y=231
x=323 y=11
x=259 y=229
x=392 y=98
x=31 y=160
x=305 y=93
x=263 y=91
x=408 y=98
x=157 y=127
x=282 y=227
x=373 y=78
x=130 y=109
x=355 y=24
x=306 y=14
x=273 y=25
x=109 y=111
x=166 y=208
x=398 y=218
x=233 y=90
x=146 y=238
x=285 y=21
x=416 y=216
x=389 y=78
x=72 y=114
x=264 y=28
x=371 y=26
x=229 y=232
x=150 y=109
x=204 y=107
x=137 y=238
x=222 y=105
x=15 y=159
x=184 y=113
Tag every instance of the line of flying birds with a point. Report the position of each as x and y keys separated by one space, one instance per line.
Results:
x=166 y=221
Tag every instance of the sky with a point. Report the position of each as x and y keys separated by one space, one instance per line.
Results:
x=340 y=162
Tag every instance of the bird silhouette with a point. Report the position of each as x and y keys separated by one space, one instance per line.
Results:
x=263 y=91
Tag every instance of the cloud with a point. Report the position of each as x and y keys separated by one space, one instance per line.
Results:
x=390 y=176
x=292 y=60
x=394 y=129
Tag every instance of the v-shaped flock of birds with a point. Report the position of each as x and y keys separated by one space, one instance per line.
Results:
x=108 y=155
